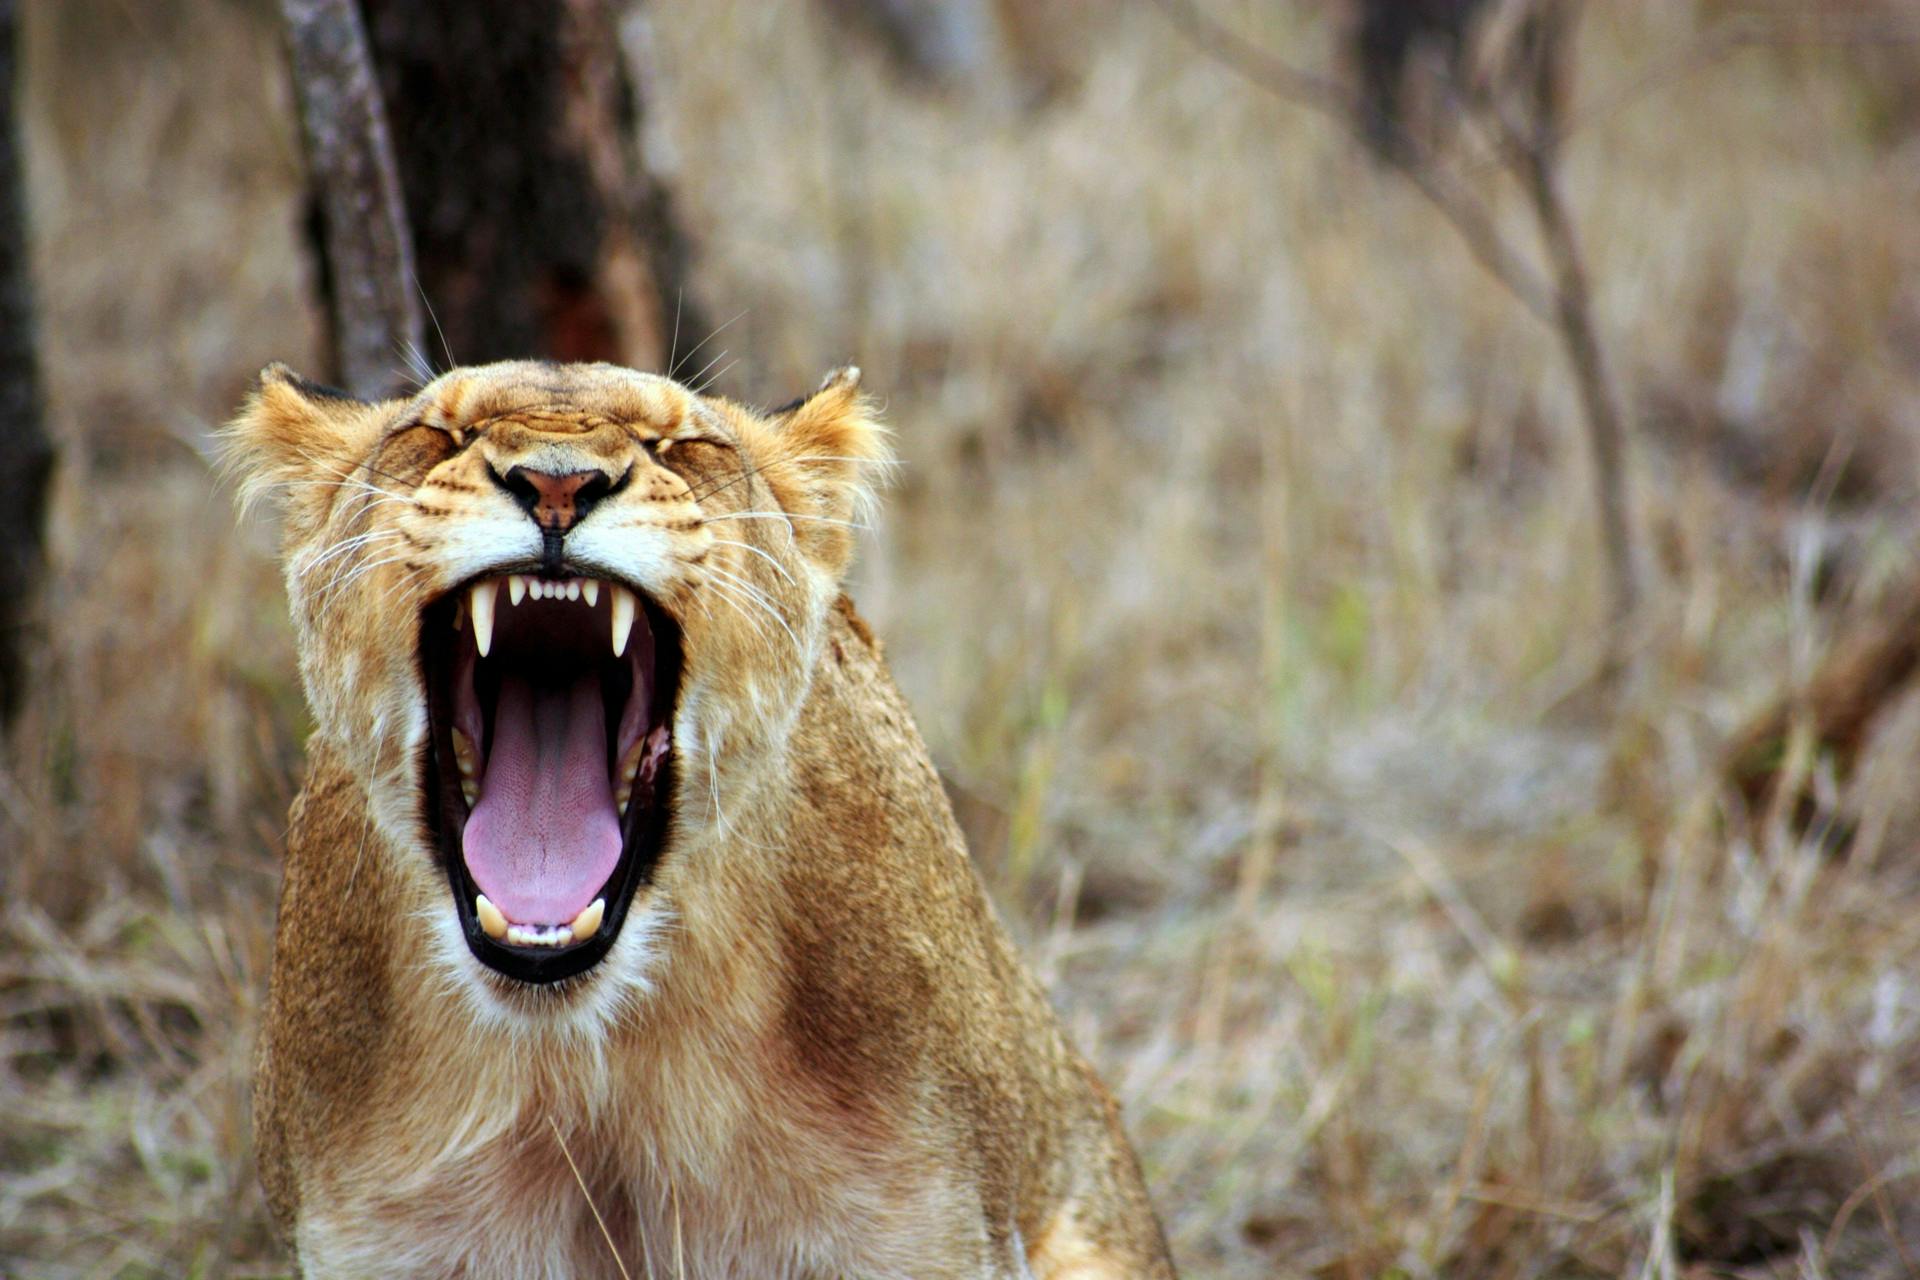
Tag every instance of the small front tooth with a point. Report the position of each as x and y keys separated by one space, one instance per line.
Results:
x=516 y=588
x=623 y=610
x=591 y=590
x=482 y=604
x=573 y=588
x=491 y=920
x=587 y=923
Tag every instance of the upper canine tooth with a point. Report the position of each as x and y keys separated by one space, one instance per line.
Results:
x=591 y=590
x=482 y=604
x=516 y=588
x=587 y=923
x=491 y=919
x=623 y=607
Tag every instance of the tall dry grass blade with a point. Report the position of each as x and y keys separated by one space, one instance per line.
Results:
x=679 y=1240
x=593 y=1208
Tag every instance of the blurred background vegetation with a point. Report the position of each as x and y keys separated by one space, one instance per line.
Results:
x=1432 y=909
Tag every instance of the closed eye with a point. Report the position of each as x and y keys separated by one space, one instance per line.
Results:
x=662 y=444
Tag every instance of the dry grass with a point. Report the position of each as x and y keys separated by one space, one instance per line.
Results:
x=1242 y=573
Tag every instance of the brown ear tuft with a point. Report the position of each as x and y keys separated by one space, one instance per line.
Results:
x=834 y=454
x=292 y=436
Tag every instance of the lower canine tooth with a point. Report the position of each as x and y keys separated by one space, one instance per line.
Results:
x=587 y=923
x=629 y=769
x=491 y=920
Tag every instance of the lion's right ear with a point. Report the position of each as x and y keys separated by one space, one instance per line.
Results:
x=294 y=440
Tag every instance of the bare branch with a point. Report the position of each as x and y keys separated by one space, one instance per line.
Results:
x=369 y=255
x=1528 y=148
x=1468 y=218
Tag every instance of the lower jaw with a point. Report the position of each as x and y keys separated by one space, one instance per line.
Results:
x=543 y=965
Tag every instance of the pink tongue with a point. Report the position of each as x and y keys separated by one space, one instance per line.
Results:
x=544 y=837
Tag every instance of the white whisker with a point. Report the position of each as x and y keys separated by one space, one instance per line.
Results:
x=758 y=597
x=694 y=381
x=718 y=330
x=723 y=593
x=783 y=515
x=747 y=546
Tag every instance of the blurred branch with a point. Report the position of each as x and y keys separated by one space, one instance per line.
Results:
x=368 y=270
x=1413 y=161
x=1525 y=101
x=26 y=453
x=1536 y=77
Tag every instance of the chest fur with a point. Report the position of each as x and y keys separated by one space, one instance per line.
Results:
x=721 y=1188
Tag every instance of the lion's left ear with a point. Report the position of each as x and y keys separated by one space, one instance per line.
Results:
x=834 y=454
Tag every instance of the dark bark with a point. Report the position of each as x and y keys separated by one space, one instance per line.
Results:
x=366 y=259
x=539 y=229
x=1386 y=39
x=26 y=452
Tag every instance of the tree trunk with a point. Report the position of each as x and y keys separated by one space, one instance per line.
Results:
x=365 y=259
x=26 y=453
x=539 y=229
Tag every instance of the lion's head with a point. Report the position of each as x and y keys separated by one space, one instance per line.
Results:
x=551 y=615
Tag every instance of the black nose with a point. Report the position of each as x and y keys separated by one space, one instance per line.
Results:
x=556 y=502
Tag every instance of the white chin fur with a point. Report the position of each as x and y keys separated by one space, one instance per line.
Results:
x=587 y=1006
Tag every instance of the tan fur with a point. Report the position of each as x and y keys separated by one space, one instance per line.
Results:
x=812 y=1051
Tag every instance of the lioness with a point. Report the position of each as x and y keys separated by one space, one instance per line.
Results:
x=625 y=927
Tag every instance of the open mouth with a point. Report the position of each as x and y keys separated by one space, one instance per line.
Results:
x=549 y=764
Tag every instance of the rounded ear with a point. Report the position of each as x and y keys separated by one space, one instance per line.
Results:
x=293 y=437
x=833 y=455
